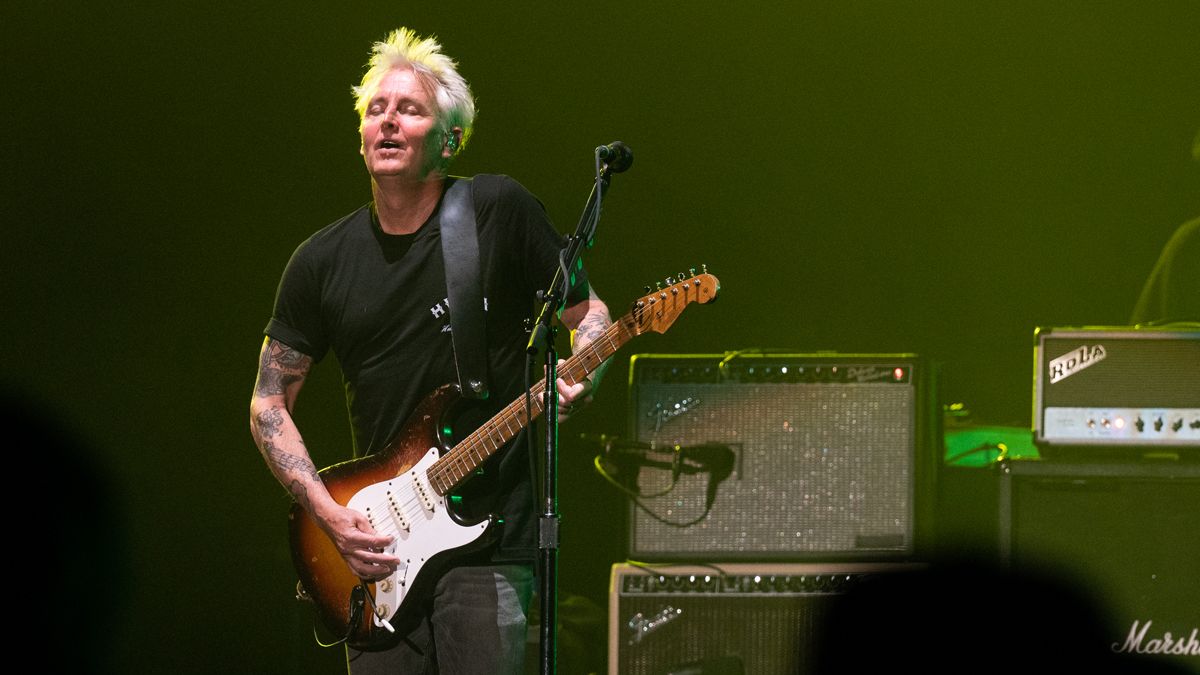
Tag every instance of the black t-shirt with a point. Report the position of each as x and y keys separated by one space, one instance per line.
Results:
x=379 y=302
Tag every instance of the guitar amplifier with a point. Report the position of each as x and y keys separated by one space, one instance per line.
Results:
x=726 y=618
x=830 y=456
x=1105 y=392
x=1126 y=533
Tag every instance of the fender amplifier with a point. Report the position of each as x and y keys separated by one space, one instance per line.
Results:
x=727 y=618
x=1116 y=391
x=826 y=456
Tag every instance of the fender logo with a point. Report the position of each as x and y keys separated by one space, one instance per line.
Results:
x=664 y=413
x=1074 y=361
x=640 y=625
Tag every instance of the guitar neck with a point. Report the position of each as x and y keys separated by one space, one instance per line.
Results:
x=462 y=461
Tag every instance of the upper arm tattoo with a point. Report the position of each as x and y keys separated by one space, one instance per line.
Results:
x=280 y=367
x=270 y=423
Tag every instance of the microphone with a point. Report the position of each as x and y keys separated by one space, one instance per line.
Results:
x=717 y=460
x=622 y=459
x=627 y=456
x=616 y=155
x=714 y=457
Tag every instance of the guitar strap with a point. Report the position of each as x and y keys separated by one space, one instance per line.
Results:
x=460 y=253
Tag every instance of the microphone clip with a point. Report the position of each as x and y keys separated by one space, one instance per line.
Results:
x=616 y=156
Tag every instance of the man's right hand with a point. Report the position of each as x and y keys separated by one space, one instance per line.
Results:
x=357 y=541
x=281 y=373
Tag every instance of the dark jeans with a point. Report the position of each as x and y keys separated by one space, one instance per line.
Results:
x=475 y=623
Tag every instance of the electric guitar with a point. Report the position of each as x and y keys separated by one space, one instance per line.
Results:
x=402 y=489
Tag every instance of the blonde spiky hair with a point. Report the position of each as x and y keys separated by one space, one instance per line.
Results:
x=438 y=72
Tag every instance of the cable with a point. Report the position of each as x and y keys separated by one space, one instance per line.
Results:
x=649 y=567
x=1001 y=456
x=637 y=497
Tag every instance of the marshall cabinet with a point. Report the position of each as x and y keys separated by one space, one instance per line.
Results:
x=1123 y=533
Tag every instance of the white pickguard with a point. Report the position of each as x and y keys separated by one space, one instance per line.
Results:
x=407 y=509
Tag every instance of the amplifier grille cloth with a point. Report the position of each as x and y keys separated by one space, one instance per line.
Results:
x=822 y=467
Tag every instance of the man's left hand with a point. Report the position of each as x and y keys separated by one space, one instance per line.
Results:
x=572 y=397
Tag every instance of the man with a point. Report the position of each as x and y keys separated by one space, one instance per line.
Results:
x=1171 y=294
x=1172 y=291
x=372 y=288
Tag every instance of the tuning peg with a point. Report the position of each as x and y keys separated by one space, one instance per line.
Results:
x=646 y=288
x=670 y=281
x=658 y=285
x=679 y=276
x=703 y=268
x=692 y=270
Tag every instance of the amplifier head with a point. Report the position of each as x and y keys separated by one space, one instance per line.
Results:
x=1116 y=391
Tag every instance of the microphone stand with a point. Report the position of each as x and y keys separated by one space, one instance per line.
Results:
x=542 y=339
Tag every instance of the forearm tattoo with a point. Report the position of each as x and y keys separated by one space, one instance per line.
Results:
x=289 y=463
x=279 y=367
x=299 y=493
x=592 y=327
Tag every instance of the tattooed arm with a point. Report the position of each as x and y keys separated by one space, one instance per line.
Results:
x=586 y=320
x=281 y=373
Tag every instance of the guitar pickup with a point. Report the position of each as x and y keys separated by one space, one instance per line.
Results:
x=397 y=512
x=422 y=491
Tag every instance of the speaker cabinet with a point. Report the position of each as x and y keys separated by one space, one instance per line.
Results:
x=726 y=619
x=1126 y=533
x=832 y=456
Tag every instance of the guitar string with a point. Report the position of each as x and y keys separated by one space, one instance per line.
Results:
x=475 y=444
x=581 y=364
x=405 y=507
x=574 y=368
x=455 y=464
x=448 y=471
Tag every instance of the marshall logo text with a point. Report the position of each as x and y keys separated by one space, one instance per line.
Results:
x=1074 y=361
x=1136 y=642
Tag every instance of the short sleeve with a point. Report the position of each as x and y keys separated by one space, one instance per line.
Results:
x=296 y=318
x=541 y=243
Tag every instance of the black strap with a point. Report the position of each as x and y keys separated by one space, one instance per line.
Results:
x=460 y=252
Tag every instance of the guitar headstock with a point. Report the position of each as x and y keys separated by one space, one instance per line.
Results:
x=657 y=310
